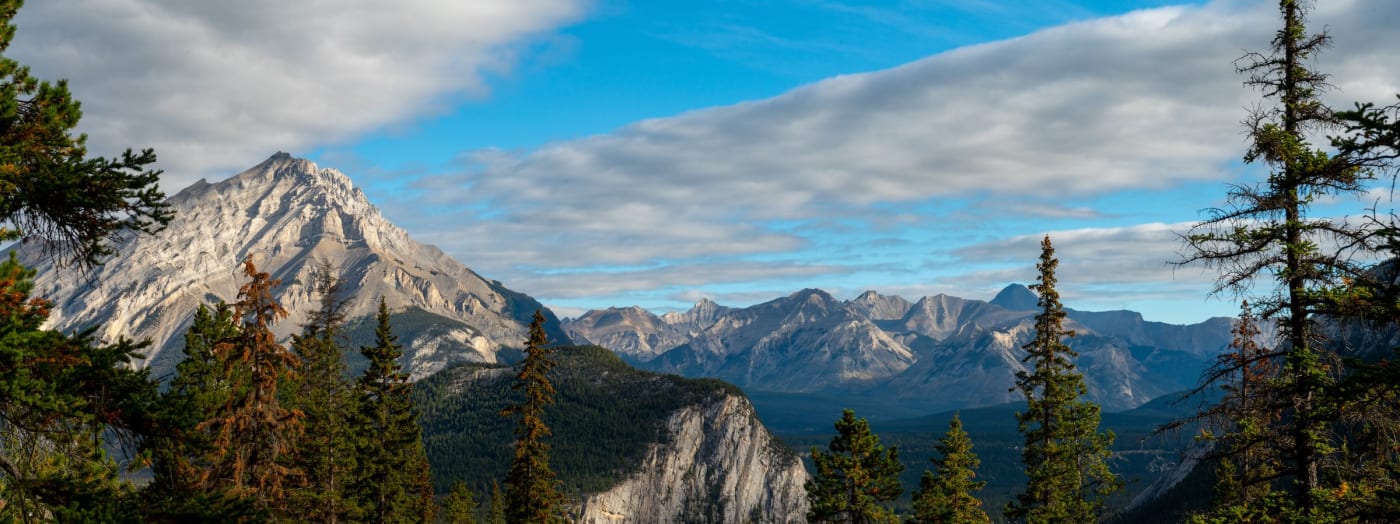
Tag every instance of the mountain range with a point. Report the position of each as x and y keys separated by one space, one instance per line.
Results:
x=942 y=351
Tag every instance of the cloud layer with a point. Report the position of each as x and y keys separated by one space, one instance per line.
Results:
x=215 y=87
x=1145 y=101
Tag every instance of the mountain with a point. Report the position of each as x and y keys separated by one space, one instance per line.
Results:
x=944 y=351
x=690 y=450
x=289 y=216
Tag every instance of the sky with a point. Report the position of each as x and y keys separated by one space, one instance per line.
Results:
x=613 y=153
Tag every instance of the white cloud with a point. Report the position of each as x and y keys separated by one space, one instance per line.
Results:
x=216 y=86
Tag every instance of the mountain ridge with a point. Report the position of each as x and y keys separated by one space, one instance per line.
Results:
x=963 y=352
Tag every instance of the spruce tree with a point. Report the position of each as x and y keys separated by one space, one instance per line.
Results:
x=946 y=494
x=182 y=458
x=392 y=483
x=856 y=478
x=60 y=395
x=1065 y=455
x=532 y=493
x=326 y=453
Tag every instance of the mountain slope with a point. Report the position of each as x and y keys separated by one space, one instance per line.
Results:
x=288 y=215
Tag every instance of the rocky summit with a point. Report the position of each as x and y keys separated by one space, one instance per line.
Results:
x=290 y=217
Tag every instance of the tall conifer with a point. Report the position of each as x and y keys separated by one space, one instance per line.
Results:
x=856 y=478
x=1065 y=455
x=531 y=490
x=326 y=452
x=392 y=482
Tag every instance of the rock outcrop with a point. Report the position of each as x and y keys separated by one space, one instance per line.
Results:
x=718 y=464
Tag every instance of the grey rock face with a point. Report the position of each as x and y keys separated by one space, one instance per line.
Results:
x=288 y=215
x=719 y=465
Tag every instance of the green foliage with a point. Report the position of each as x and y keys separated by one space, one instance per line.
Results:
x=182 y=455
x=497 y=512
x=459 y=507
x=61 y=398
x=1321 y=436
x=856 y=478
x=1068 y=479
x=532 y=492
x=392 y=483
x=49 y=188
x=946 y=494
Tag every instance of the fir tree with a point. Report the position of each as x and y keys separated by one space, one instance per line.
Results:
x=253 y=432
x=392 y=483
x=946 y=494
x=531 y=490
x=459 y=507
x=855 y=478
x=59 y=395
x=1065 y=455
x=326 y=453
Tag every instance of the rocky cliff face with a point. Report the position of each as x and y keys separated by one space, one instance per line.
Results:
x=289 y=216
x=949 y=352
x=719 y=464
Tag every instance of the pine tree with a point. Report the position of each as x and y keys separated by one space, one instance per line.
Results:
x=253 y=432
x=1065 y=455
x=326 y=453
x=62 y=395
x=531 y=490
x=1266 y=231
x=946 y=494
x=459 y=507
x=856 y=478
x=392 y=483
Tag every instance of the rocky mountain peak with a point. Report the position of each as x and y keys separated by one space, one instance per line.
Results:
x=290 y=216
x=1017 y=297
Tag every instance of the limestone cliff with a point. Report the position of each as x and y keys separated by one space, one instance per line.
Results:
x=718 y=464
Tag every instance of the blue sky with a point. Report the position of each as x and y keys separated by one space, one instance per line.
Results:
x=653 y=153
